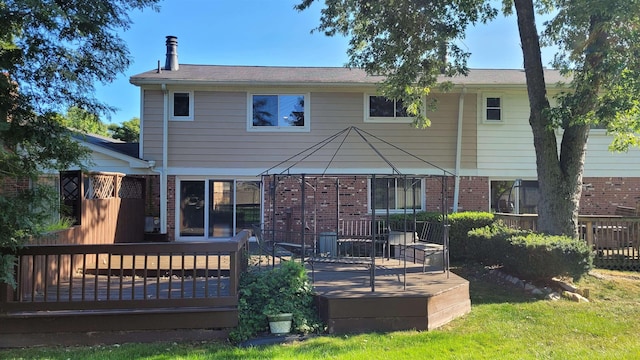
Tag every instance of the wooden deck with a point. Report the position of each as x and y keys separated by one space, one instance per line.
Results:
x=404 y=298
x=85 y=294
x=191 y=296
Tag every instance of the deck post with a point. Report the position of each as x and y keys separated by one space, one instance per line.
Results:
x=589 y=233
x=373 y=233
x=6 y=294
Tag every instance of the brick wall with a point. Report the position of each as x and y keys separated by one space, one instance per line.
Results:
x=153 y=195
x=11 y=186
x=600 y=196
x=320 y=198
x=473 y=196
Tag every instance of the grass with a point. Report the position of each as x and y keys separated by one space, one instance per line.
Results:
x=504 y=323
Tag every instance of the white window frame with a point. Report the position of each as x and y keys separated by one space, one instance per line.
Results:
x=395 y=210
x=307 y=113
x=484 y=108
x=171 y=105
x=382 y=119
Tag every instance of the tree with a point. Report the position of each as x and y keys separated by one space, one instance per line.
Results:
x=51 y=55
x=129 y=131
x=84 y=121
x=411 y=42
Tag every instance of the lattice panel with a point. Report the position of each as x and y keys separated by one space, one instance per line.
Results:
x=130 y=188
x=100 y=186
x=70 y=185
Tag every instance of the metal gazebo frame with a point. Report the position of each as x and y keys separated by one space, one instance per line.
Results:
x=273 y=177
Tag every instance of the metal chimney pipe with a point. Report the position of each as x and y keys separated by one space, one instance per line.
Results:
x=171 y=62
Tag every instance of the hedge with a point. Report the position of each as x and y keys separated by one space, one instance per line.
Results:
x=529 y=255
x=460 y=225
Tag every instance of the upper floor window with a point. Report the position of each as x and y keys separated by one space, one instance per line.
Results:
x=278 y=112
x=181 y=105
x=382 y=109
x=493 y=109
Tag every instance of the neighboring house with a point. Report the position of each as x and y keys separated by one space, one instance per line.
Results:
x=108 y=199
x=212 y=130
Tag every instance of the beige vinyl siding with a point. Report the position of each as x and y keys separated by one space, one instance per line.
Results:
x=218 y=137
x=151 y=126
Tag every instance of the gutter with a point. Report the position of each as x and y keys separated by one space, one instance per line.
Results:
x=456 y=188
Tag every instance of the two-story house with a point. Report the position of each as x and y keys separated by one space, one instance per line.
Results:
x=212 y=130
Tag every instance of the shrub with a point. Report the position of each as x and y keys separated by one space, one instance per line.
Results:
x=490 y=244
x=537 y=256
x=397 y=220
x=460 y=225
x=283 y=289
x=529 y=255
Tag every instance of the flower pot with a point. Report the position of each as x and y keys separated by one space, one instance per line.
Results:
x=280 y=324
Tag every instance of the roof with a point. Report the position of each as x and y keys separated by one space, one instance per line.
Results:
x=319 y=76
x=116 y=149
x=128 y=149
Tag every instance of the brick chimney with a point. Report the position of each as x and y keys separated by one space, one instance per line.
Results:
x=171 y=62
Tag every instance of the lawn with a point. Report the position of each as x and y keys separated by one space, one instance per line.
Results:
x=504 y=323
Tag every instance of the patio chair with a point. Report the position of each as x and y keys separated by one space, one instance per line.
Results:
x=428 y=243
x=270 y=246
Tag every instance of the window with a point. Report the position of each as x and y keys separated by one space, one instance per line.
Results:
x=181 y=106
x=518 y=197
x=493 y=109
x=276 y=112
x=390 y=192
x=381 y=109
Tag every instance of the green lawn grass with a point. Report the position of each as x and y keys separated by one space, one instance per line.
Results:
x=505 y=323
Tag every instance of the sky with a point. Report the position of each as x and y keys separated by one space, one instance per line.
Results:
x=263 y=33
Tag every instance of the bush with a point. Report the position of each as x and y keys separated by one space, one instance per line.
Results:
x=283 y=289
x=489 y=245
x=460 y=225
x=529 y=255
x=538 y=257
x=397 y=220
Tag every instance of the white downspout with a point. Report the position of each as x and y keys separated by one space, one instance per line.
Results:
x=165 y=159
x=456 y=189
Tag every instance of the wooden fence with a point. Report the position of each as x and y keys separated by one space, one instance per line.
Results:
x=615 y=239
x=107 y=208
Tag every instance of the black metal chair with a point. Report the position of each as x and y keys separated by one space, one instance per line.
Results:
x=271 y=246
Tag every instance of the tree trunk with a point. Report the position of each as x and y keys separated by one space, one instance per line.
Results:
x=559 y=174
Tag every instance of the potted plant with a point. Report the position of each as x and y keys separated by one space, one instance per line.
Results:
x=280 y=317
x=264 y=293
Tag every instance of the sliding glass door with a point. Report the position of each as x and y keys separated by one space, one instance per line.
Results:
x=221 y=207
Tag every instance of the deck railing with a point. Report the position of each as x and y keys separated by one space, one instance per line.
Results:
x=127 y=276
x=615 y=239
